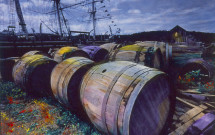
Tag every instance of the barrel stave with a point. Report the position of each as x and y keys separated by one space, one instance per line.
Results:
x=123 y=85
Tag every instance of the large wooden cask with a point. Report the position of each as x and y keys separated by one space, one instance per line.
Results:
x=144 y=55
x=165 y=51
x=154 y=58
x=6 y=68
x=66 y=78
x=96 y=53
x=196 y=64
x=194 y=71
x=33 y=74
x=127 y=98
x=67 y=52
x=180 y=56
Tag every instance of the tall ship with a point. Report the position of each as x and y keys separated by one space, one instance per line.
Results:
x=54 y=28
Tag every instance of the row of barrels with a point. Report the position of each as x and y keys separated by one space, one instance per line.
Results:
x=94 y=53
x=148 y=56
x=118 y=97
x=176 y=60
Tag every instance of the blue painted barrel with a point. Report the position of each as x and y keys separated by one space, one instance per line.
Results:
x=96 y=53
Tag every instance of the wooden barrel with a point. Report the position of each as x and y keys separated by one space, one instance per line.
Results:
x=195 y=64
x=154 y=58
x=33 y=74
x=6 y=68
x=67 y=52
x=66 y=78
x=155 y=44
x=126 y=98
x=148 y=56
x=165 y=52
x=179 y=57
x=96 y=53
x=206 y=71
x=110 y=46
x=30 y=53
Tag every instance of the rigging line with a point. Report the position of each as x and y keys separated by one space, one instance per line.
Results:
x=65 y=7
x=72 y=17
x=74 y=5
x=36 y=11
x=76 y=10
x=48 y=27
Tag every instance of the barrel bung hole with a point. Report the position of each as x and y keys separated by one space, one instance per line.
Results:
x=104 y=70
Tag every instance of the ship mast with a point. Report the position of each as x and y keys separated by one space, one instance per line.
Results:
x=58 y=14
x=21 y=18
x=94 y=19
x=11 y=16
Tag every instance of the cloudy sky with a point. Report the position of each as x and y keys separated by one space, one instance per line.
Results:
x=130 y=16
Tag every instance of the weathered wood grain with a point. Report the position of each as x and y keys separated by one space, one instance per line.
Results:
x=148 y=55
x=182 y=129
x=126 y=98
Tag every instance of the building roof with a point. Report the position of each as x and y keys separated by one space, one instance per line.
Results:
x=178 y=28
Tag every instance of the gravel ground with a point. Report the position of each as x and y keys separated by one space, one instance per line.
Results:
x=22 y=114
